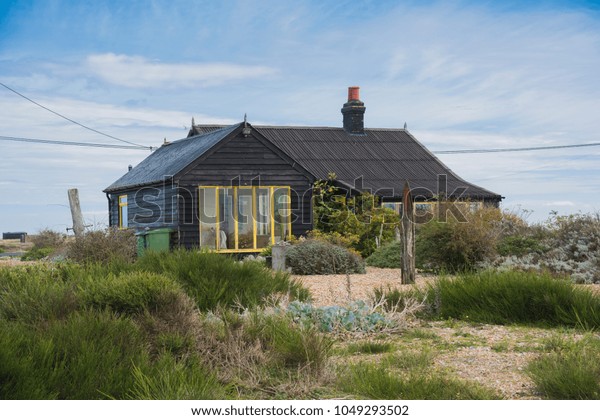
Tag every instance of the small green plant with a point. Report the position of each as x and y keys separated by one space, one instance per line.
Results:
x=317 y=257
x=357 y=317
x=370 y=347
x=571 y=371
x=387 y=256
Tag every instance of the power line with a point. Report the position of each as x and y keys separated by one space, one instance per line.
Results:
x=71 y=120
x=72 y=143
x=514 y=149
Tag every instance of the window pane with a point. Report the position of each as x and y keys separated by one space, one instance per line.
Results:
x=123 y=213
x=207 y=207
x=226 y=220
x=245 y=219
x=282 y=213
x=263 y=217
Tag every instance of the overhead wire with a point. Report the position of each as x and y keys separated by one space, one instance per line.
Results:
x=72 y=120
x=514 y=149
x=72 y=143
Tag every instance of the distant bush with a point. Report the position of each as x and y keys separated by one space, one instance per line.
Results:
x=514 y=297
x=317 y=257
x=519 y=246
x=214 y=280
x=454 y=246
x=103 y=246
x=48 y=238
x=387 y=256
x=569 y=372
x=563 y=246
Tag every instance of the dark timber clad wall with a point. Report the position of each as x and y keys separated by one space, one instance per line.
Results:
x=247 y=158
x=147 y=207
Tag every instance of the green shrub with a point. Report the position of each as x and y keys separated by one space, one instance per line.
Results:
x=35 y=254
x=129 y=293
x=35 y=293
x=214 y=280
x=514 y=297
x=454 y=246
x=88 y=355
x=296 y=345
x=569 y=372
x=387 y=256
x=104 y=246
x=519 y=246
x=316 y=257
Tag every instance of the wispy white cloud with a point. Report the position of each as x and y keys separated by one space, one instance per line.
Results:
x=140 y=72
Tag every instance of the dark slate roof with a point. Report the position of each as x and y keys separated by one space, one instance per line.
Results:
x=170 y=159
x=384 y=158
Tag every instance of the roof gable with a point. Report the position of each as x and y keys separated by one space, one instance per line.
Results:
x=172 y=158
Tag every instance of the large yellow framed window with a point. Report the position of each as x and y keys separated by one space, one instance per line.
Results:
x=123 y=215
x=244 y=219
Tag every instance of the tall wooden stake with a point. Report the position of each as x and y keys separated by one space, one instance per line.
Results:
x=76 y=212
x=408 y=237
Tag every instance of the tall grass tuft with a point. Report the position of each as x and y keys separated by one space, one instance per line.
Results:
x=129 y=293
x=514 y=297
x=88 y=355
x=379 y=382
x=570 y=372
x=171 y=379
x=214 y=280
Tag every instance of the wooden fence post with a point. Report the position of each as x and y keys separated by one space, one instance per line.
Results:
x=408 y=237
x=78 y=226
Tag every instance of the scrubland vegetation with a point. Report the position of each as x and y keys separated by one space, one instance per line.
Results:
x=96 y=322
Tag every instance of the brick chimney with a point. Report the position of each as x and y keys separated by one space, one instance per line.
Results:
x=354 y=112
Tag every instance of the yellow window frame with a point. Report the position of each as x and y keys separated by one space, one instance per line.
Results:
x=271 y=189
x=121 y=205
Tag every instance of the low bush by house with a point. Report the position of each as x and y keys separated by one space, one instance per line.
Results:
x=317 y=257
x=387 y=256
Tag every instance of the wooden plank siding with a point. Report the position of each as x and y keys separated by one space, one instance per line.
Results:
x=149 y=207
x=242 y=161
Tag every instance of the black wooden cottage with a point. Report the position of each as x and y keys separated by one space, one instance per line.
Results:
x=240 y=188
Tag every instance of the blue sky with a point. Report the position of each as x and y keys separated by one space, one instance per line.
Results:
x=462 y=75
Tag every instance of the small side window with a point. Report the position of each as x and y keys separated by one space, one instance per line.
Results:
x=123 y=212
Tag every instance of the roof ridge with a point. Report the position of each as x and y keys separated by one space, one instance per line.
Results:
x=304 y=127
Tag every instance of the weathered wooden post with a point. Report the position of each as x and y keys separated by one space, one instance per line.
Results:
x=408 y=237
x=278 y=257
x=78 y=226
